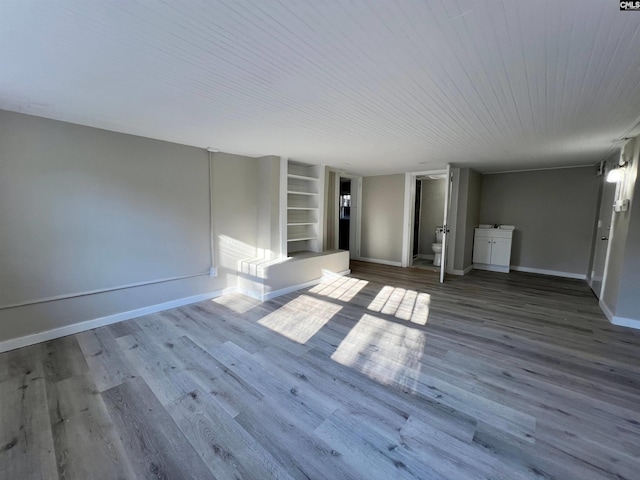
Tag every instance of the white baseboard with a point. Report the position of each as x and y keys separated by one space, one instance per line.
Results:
x=47 y=335
x=490 y=268
x=555 y=273
x=626 y=322
x=620 y=321
x=54 y=333
x=607 y=313
x=283 y=291
x=382 y=262
x=461 y=272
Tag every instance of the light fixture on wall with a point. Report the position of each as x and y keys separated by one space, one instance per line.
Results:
x=616 y=174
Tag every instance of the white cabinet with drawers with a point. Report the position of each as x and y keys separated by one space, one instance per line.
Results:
x=492 y=249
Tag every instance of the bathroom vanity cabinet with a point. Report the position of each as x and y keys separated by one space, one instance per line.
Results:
x=492 y=249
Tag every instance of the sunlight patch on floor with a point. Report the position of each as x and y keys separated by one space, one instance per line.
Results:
x=385 y=351
x=326 y=288
x=301 y=318
x=236 y=302
x=404 y=304
x=343 y=288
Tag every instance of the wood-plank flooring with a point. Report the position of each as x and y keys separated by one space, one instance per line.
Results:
x=383 y=374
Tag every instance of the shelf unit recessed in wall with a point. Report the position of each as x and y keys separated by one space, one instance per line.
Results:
x=304 y=188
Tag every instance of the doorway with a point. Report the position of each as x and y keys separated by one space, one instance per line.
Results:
x=602 y=238
x=346 y=219
x=416 y=220
x=344 y=213
x=423 y=216
x=428 y=222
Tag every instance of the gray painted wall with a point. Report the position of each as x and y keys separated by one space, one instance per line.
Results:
x=330 y=210
x=621 y=292
x=235 y=198
x=268 y=195
x=382 y=213
x=84 y=209
x=461 y=218
x=453 y=221
x=474 y=194
x=431 y=213
x=553 y=211
x=466 y=189
x=629 y=285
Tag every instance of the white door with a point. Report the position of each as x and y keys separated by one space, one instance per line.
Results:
x=602 y=237
x=445 y=236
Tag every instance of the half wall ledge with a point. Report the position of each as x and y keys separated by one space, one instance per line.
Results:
x=266 y=279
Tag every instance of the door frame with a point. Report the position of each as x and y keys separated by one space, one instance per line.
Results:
x=408 y=214
x=616 y=196
x=355 y=223
x=445 y=223
x=419 y=202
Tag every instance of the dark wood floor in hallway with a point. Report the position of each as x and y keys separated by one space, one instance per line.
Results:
x=384 y=374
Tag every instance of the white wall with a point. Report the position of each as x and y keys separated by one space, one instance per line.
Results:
x=382 y=214
x=621 y=293
x=84 y=209
x=553 y=212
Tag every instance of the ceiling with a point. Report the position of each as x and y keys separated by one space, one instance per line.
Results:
x=370 y=87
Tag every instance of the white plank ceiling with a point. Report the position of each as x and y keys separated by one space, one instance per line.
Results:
x=373 y=86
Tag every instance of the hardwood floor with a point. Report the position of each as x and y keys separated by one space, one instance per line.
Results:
x=384 y=374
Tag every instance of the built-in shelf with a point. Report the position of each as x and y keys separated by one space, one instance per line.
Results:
x=293 y=192
x=304 y=190
x=302 y=177
x=300 y=239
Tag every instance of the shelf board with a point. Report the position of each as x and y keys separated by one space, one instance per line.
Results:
x=302 y=177
x=302 y=208
x=292 y=192
x=300 y=239
x=301 y=223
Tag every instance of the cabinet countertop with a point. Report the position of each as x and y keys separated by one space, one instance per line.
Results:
x=494 y=232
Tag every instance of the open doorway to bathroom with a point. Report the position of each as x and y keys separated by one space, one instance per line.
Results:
x=426 y=212
x=344 y=213
x=428 y=221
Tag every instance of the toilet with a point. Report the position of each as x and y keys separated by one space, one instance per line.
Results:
x=437 y=247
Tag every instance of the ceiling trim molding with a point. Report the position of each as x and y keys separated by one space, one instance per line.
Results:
x=539 y=169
